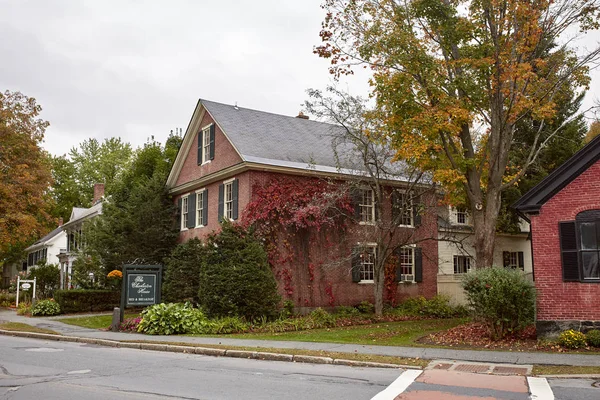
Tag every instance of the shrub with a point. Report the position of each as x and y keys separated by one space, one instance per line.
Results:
x=182 y=272
x=130 y=324
x=321 y=318
x=436 y=307
x=593 y=338
x=24 y=308
x=572 y=339
x=7 y=299
x=235 y=277
x=365 y=307
x=171 y=319
x=346 y=311
x=45 y=307
x=47 y=279
x=227 y=325
x=502 y=298
x=80 y=300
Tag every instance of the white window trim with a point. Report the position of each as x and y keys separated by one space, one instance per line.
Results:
x=414 y=266
x=454 y=214
x=225 y=183
x=203 y=190
x=183 y=221
x=412 y=213
x=469 y=269
x=373 y=220
x=374 y=246
x=205 y=157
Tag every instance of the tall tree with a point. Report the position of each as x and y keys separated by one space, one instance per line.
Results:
x=593 y=131
x=454 y=78
x=89 y=163
x=24 y=173
x=138 y=219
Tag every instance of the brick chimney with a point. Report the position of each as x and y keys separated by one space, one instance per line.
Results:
x=301 y=115
x=98 y=193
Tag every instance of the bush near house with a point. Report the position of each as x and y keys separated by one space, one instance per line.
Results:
x=593 y=338
x=47 y=278
x=7 y=299
x=182 y=272
x=572 y=339
x=235 y=276
x=502 y=298
x=81 y=300
x=45 y=307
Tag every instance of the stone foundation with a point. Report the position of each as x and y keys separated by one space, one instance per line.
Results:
x=551 y=329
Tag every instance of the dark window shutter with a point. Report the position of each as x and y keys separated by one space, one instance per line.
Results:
x=205 y=207
x=356 y=195
x=221 y=201
x=398 y=269
x=418 y=264
x=200 y=141
x=30 y=260
x=212 y=142
x=568 y=249
x=234 y=194
x=506 y=259
x=191 y=217
x=396 y=206
x=416 y=207
x=179 y=203
x=356 y=263
x=521 y=257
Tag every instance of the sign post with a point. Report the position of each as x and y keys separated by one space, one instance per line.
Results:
x=25 y=285
x=141 y=286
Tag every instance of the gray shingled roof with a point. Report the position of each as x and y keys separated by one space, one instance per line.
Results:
x=46 y=238
x=266 y=137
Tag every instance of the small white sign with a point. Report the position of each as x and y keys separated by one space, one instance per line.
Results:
x=26 y=286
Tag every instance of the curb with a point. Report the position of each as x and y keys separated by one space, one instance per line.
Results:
x=571 y=376
x=208 y=351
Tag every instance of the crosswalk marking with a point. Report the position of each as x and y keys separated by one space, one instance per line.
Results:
x=399 y=385
x=539 y=389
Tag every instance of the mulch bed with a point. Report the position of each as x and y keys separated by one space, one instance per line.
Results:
x=475 y=336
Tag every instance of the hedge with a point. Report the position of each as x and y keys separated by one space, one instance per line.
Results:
x=83 y=300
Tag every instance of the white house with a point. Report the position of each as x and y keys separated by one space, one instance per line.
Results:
x=47 y=248
x=456 y=251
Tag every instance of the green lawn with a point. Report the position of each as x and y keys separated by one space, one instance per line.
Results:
x=93 y=322
x=402 y=333
x=21 y=327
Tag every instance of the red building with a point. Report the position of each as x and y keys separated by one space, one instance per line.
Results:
x=229 y=151
x=564 y=210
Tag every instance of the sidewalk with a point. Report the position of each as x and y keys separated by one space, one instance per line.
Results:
x=502 y=357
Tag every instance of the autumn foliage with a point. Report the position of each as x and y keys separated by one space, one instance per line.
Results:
x=25 y=176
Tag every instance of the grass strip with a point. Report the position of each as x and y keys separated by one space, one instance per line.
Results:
x=21 y=327
x=565 y=370
x=418 y=362
x=93 y=321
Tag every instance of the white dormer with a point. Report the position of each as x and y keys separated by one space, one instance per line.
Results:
x=459 y=216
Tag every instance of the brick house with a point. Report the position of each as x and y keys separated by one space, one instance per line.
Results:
x=564 y=210
x=228 y=151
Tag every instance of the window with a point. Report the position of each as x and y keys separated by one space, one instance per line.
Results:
x=461 y=215
x=462 y=264
x=402 y=207
x=513 y=259
x=184 y=212
x=589 y=239
x=206 y=144
x=367 y=206
x=200 y=211
x=407 y=264
x=228 y=188
x=367 y=264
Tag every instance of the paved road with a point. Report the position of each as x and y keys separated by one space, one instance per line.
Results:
x=37 y=369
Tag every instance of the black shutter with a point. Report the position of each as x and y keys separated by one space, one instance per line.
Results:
x=179 y=212
x=205 y=207
x=356 y=263
x=568 y=248
x=506 y=259
x=30 y=260
x=416 y=208
x=200 y=141
x=356 y=195
x=221 y=202
x=398 y=269
x=212 y=142
x=521 y=259
x=234 y=194
x=418 y=264
x=396 y=207
x=191 y=217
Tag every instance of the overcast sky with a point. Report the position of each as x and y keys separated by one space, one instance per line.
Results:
x=137 y=68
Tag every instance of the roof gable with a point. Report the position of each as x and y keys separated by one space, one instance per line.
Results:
x=532 y=201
